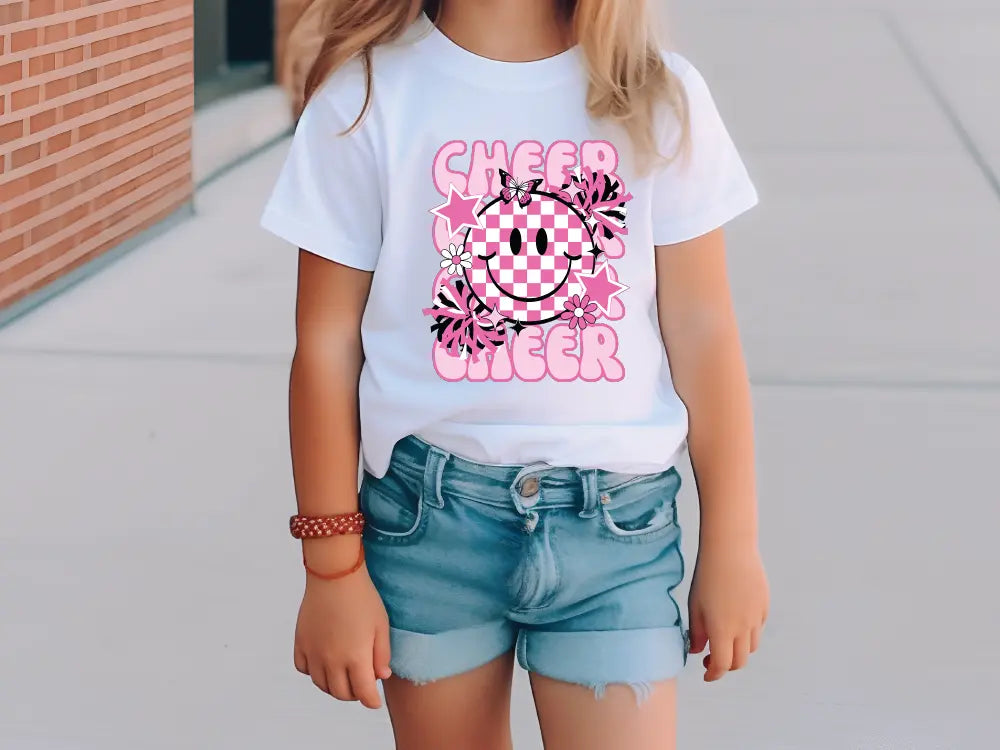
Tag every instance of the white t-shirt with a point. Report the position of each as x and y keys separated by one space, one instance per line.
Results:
x=512 y=315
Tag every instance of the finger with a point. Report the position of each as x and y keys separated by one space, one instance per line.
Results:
x=699 y=639
x=754 y=640
x=741 y=651
x=381 y=653
x=722 y=657
x=363 y=685
x=318 y=675
x=301 y=664
x=340 y=684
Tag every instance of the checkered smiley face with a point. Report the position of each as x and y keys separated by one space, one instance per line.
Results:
x=523 y=257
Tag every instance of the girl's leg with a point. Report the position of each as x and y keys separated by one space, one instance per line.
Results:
x=572 y=718
x=469 y=710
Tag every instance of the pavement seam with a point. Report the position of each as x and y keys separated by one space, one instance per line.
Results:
x=944 y=103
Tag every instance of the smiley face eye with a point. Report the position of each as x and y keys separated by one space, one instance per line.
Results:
x=542 y=241
x=515 y=241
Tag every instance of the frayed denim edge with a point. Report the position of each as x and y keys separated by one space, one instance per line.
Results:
x=642 y=690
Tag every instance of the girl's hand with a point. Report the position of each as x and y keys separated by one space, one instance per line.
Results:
x=727 y=606
x=342 y=637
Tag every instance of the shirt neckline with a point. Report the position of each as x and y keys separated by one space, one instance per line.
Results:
x=455 y=60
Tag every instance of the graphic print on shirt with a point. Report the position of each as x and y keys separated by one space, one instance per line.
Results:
x=527 y=286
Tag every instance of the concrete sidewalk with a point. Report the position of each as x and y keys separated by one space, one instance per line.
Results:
x=146 y=406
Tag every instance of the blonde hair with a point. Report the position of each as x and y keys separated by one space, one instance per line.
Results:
x=629 y=80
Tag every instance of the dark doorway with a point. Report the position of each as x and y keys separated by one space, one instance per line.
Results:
x=250 y=31
x=234 y=47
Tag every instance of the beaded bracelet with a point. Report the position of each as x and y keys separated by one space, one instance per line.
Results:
x=310 y=527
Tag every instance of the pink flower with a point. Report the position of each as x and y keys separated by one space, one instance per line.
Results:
x=579 y=312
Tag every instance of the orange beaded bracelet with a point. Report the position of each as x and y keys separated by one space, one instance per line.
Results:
x=310 y=527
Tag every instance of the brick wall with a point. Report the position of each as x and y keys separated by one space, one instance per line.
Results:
x=96 y=100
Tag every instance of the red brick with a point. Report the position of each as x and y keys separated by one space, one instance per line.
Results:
x=145 y=59
x=59 y=87
x=22 y=40
x=113 y=18
x=42 y=176
x=25 y=155
x=25 y=211
x=10 y=13
x=10 y=73
x=24 y=98
x=42 y=64
x=73 y=56
x=66 y=193
x=56 y=33
x=100 y=47
x=11 y=246
x=11 y=131
x=38 y=8
x=12 y=189
x=43 y=120
x=177 y=48
x=87 y=78
x=62 y=221
x=84 y=25
x=58 y=142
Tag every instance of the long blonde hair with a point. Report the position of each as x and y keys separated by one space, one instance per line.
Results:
x=628 y=77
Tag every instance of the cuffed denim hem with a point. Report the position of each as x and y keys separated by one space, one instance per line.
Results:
x=598 y=658
x=425 y=657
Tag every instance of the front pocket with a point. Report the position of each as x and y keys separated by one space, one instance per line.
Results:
x=394 y=511
x=642 y=510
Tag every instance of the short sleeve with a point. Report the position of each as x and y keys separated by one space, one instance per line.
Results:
x=327 y=198
x=709 y=186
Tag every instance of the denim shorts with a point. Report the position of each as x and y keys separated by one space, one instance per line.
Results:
x=574 y=568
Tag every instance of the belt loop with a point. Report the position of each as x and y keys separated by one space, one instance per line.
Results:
x=521 y=504
x=589 y=479
x=433 y=469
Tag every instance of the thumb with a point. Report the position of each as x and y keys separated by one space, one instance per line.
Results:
x=698 y=634
x=381 y=652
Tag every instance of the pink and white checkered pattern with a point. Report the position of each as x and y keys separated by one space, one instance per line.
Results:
x=528 y=274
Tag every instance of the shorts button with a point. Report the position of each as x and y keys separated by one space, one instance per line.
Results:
x=529 y=487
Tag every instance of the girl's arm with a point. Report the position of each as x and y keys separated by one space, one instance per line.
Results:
x=342 y=634
x=324 y=421
x=729 y=594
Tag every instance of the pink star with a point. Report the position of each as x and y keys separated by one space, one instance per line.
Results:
x=494 y=317
x=459 y=211
x=600 y=287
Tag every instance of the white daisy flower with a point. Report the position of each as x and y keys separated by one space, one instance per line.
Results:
x=456 y=257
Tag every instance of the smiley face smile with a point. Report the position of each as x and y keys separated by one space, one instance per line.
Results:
x=486 y=261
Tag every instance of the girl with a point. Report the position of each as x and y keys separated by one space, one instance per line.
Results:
x=509 y=214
